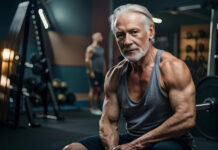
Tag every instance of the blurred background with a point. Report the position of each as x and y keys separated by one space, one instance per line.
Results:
x=44 y=81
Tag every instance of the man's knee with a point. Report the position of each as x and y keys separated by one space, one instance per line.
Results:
x=75 y=146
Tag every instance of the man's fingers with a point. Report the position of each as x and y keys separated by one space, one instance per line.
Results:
x=116 y=148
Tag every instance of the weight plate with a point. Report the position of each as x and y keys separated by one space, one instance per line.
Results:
x=207 y=120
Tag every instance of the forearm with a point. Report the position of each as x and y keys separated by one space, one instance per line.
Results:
x=89 y=66
x=172 y=128
x=109 y=136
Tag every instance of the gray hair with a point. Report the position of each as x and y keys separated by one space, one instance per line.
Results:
x=131 y=7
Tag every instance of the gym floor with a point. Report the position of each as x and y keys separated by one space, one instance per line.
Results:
x=55 y=134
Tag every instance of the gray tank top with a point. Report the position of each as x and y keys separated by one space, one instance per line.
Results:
x=153 y=108
x=97 y=60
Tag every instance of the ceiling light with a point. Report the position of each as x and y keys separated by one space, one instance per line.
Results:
x=157 y=20
x=190 y=7
x=43 y=18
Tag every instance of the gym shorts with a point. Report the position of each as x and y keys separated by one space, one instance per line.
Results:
x=97 y=81
x=94 y=143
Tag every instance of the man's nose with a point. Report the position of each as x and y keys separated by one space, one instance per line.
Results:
x=128 y=40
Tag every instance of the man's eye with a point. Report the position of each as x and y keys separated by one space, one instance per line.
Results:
x=120 y=36
x=134 y=32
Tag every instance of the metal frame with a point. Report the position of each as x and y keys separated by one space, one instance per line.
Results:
x=212 y=43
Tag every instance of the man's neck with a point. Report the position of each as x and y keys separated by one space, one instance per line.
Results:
x=95 y=44
x=146 y=60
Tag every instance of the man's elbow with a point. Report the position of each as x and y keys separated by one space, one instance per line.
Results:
x=190 y=123
x=102 y=128
x=105 y=124
x=87 y=61
x=101 y=124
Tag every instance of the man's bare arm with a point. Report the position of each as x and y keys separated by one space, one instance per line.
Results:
x=88 y=56
x=182 y=98
x=111 y=112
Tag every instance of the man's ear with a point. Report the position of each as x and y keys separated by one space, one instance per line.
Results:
x=151 y=31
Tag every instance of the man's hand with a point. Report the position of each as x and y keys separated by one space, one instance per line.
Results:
x=92 y=74
x=127 y=146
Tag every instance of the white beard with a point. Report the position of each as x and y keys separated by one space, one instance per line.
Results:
x=138 y=55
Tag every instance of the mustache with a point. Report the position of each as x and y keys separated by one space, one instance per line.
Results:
x=132 y=47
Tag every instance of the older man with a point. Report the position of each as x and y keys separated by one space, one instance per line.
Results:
x=152 y=88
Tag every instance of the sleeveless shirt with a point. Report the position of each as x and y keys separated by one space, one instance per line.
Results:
x=152 y=109
x=97 y=60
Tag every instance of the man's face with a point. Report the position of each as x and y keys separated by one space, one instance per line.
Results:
x=131 y=36
x=99 y=37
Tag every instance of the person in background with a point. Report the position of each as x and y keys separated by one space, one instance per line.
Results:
x=94 y=59
x=152 y=88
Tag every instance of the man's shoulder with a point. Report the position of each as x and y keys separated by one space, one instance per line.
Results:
x=90 y=48
x=116 y=69
x=173 y=68
x=169 y=60
x=113 y=74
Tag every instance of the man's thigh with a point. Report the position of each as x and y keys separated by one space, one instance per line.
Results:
x=94 y=142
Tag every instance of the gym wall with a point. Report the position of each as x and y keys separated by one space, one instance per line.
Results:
x=7 y=7
x=71 y=34
x=69 y=55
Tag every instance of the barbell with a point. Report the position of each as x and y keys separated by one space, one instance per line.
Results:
x=207 y=107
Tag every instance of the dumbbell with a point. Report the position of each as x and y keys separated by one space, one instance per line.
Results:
x=61 y=98
x=63 y=86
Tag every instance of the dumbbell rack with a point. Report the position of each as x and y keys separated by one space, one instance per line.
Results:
x=26 y=98
x=19 y=32
x=194 y=44
x=45 y=76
